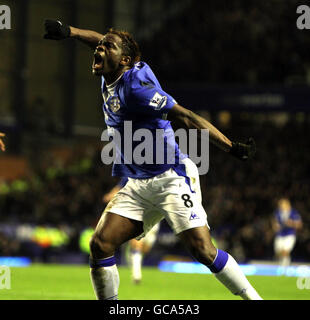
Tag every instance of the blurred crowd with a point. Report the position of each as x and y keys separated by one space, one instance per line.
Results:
x=239 y=197
x=253 y=42
x=60 y=196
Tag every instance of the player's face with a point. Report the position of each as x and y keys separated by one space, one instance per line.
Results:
x=284 y=204
x=108 y=55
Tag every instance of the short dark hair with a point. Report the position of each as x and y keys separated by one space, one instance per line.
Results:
x=129 y=45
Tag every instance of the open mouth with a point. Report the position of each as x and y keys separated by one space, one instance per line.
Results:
x=98 y=61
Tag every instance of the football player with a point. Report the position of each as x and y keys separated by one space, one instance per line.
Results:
x=154 y=191
x=286 y=222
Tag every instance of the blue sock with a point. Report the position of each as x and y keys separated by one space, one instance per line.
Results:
x=219 y=261
x=99 y=263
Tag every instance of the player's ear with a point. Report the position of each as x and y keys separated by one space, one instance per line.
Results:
x=125 y=60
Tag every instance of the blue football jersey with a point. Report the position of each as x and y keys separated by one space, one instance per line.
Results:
x=281 y=217
x=138 y=102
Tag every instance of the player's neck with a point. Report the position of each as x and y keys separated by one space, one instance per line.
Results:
x=113 y=77
x=109 y=85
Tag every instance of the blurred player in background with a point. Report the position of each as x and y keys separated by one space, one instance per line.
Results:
x=286 y=222
x=155 y=191
x=2 y=145
x=137 y=248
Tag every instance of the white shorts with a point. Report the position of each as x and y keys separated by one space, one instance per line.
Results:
x=166 y=196
x=284 y=243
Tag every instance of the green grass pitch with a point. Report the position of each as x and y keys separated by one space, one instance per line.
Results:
x=71 y=282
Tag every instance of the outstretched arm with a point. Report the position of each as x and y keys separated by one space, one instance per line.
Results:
x=89 y=37
x=296 y=224
x=2 y=145
x=56 y=30
x=188 y=119
x=275 y=225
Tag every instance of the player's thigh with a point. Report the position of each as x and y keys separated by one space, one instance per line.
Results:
x=181 y=206
x=115 y=229
x=123 y=217
x=280 y=245
x=289 y=243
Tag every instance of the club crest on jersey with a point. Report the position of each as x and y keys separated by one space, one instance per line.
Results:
x=114 y=104
x=158 y=101
x=193 y=216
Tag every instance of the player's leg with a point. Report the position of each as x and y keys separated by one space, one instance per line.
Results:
x=111 y=232
x=281 y=252
x=222 y=265
x=135 y=257
x=137 y=251
x=278 y=248
x=285 y=259
x=150 y=238
x=122 y=221
x=287 y=247
x=188 y=219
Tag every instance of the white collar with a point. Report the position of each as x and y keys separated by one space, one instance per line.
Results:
x=113 y=85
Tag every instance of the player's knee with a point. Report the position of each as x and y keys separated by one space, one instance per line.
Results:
x=204 y=253
x=100 y=247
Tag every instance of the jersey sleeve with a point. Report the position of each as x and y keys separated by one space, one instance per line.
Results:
x=146 y=96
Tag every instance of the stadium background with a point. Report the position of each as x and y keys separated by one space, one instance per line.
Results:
x=242 y=64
